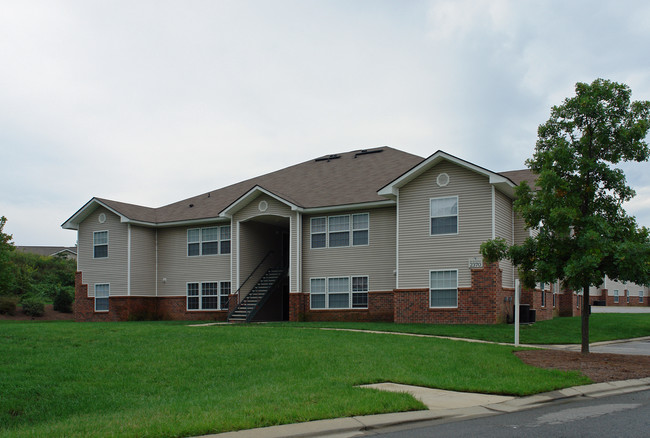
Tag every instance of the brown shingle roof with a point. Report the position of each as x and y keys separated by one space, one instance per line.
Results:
x=333 y=180
x=519 y=176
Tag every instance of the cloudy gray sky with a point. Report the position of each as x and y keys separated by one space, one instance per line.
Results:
x=151 y=102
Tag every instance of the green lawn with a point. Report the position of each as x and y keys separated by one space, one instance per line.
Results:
x=160 y=379
x=602 y=327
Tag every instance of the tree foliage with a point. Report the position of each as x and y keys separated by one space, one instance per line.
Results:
x=6 y=249
x=584 y=234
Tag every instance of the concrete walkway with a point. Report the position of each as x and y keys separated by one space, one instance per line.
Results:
x=443 y=405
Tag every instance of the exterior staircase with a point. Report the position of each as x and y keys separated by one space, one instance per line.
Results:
x=257 y=297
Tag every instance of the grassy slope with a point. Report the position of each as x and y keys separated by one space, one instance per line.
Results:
x=602 y=327
x=167 y=379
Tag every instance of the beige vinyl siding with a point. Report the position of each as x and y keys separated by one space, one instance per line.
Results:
x=610 y=285
x=143 y=261
x=297 y=248
x=503 y=229
x=419 y=251
x=178 y=269
x=112 y=270
x=521 y=232
x=259 y=232
x=376 y=260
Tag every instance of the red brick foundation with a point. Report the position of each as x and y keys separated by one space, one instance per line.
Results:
x=380 y=308
x=137 y=308
x=485 y=302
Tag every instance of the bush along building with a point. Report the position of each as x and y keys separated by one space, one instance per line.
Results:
x=368 y=235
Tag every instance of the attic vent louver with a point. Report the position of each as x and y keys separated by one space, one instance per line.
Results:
x=367 y=152
x=328 y=158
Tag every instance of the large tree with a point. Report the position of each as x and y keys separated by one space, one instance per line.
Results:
x=584 y=234
x=6 y=247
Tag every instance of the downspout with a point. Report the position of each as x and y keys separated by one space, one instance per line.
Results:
x=128 y=260
x=494 y=233
x=156 y=282
x=397 y=241
x=299 y=252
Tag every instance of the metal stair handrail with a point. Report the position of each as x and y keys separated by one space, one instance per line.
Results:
x=237 y=292
x=250 y=315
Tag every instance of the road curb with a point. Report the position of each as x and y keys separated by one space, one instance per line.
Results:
x=380 y=421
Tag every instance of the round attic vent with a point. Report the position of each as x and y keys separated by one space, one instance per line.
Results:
x=101 y=218
x=263 y=206
x=442 y=180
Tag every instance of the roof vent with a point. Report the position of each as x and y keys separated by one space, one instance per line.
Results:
x=191 y=205
x=367 y=152
x=328 y=158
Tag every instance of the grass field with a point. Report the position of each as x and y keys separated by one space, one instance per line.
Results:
x=169 y=379
x=602 y=327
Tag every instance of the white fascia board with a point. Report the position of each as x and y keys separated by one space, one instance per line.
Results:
x=501 y=182
x=84 y=212
x=359 y=206
x=243 y=200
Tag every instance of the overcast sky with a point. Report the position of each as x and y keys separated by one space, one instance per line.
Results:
x=151 y=102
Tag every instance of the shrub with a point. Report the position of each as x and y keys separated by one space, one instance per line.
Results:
x=33 y=307
x=63 y=300
x=8 y=305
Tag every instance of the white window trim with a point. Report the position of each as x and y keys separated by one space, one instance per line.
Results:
x=200 y=242
x=200 y=295
x=367 y=277
x=107 y=242
x=640 y=296
x=431 y=289
x=108 y=298
x=350 y=231
x=627 y=296
x=327 y=292
x=542 y=286
x=431 y=216
x=615 y=295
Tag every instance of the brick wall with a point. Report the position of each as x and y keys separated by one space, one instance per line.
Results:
x=533 y=297
x=485 y=302
x=136 y=308
x=380 y=308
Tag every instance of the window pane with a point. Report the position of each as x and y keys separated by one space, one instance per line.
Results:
x=102 y=290
x=339 y=223
x=101 y=304
x=210 y=248
x=225 y=233
x=317 y=301
x=193 y=235
x=225 y=247
x=360 y=237
x=208 y=234
x=444 y=225
x=225 y=288
x=210 y=303
x=192 y=303
x=209 y=288
x=359 y=284
x=339 y=301
x=192 y=289
x=443 y=279
x=193 y=249
x=100 y=237
x=317 y=285
x=360 y=221
x=444 y=298
x=444 y=207
x=341 y=284
x=101 y=251
x=318 y=225
x=318 y=240
x=339 y=239
x=360 y=300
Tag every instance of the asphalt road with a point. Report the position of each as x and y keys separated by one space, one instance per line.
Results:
x=625 y=415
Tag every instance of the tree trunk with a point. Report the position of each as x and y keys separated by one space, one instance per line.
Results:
x=586 y=310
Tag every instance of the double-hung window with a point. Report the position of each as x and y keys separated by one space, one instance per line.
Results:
x=627 y=296
x=444 y=215
x=102 y=292
x=640 y=296
x=100 y=244
x=208 y=241
x=339 y=293
x=209 y=295
x=615 y=295
x=340 y=231
x=443 y=289
x=542 y=286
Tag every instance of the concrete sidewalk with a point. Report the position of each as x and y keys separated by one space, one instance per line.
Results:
x=443 y=405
